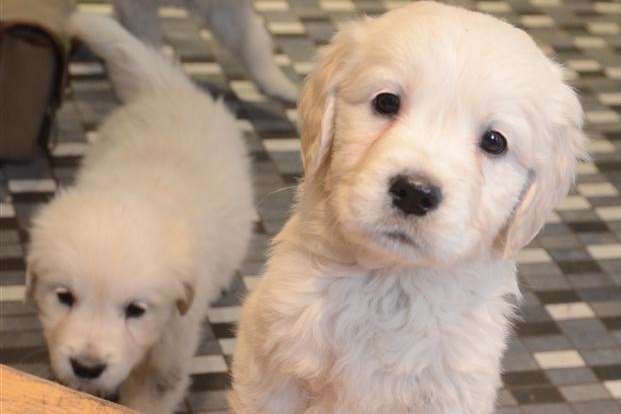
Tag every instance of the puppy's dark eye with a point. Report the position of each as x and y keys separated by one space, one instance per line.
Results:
x=134 y=311
x=65 y=297
x=387 y=103
x=493 y=142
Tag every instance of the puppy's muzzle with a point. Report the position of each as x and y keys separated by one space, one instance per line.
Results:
x=85 y=371
x=414 y=196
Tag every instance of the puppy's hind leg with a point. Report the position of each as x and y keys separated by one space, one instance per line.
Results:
x=141 y=18
x=236 y=25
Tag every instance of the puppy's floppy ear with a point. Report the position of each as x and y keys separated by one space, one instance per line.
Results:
x=317 y=99
x=184 y=302
x=552 y=173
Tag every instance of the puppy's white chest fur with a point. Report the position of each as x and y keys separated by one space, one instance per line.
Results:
x=384 y=341
x=412 y=341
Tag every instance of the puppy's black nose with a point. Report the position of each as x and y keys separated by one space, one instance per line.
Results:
x=87 y=371
x=413 y=198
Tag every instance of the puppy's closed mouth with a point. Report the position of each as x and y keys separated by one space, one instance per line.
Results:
x=400 y=237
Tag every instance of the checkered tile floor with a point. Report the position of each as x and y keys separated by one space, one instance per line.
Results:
x=566 y=354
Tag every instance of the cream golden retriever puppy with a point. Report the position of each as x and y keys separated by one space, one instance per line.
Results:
x=435 y=141
x=122 y=264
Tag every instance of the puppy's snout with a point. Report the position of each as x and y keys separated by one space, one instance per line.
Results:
x=90 y=371
x=413 y=197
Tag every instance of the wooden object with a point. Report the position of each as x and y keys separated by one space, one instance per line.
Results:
x=22 y=393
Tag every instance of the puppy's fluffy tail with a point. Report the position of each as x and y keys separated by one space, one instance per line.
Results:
x=134 y=68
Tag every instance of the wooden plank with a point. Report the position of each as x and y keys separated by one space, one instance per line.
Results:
x=22 y=393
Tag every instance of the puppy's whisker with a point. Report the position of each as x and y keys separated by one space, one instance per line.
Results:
x=277 y=191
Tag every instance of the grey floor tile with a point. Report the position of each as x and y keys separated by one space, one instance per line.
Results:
x=600 y=407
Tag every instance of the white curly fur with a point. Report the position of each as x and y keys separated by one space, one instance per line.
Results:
x=349 y=318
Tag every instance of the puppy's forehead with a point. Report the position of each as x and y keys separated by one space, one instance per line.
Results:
x=434 y=21
x=84 y=242
x=435 y=37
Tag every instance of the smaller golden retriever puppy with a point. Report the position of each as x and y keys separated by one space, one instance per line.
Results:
x=123 y=264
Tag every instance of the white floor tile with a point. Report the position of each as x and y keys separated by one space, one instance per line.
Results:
x=337 y=5
x=609 y=213
x=604 y=116
x=535 y=255
x=247 y=91
x=45 y=185
x=546 y=3
x=271 y=5
x=563 y=311
x=603 y=28
x=12 y=293
x=584 y=65
x=605 y=251
x=589 y=42
x=607 y=8
x=597 y=190
x=250 y=282
x=613 y=72
x=224 y=314
x=282 y=144
x=208 y=363
x=69 y=149
x=585 y=168
x=559 y=359
x=227 y=345
x=173 y=12
x=574 y=203
x=493 y=6
x=614 y=387
x=610 y=98
x=601 y=146
x=95 y=8
x=7 y=210
x=286 y=28
x=202 y=68
x=537 y=21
